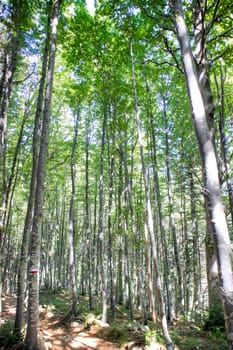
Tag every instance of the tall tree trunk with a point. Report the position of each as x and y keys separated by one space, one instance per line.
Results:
x=149 y=275
x=87 y=218
x=128 y=203
x=202 y=71
x=171 y=212
x=149 y=216
x=72 y=263
x=223 y=138
x=216 y=210
x=111 y=161
x=165 y=253
x=101 y=225
x=33 y=297
x=119 y=292
x=22 y=269
x=11 y=56
x=195 y=242
x=10 y=188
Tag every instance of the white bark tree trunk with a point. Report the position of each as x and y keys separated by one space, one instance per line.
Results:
x=149 y=222
x=216 y=210
x=33 y=297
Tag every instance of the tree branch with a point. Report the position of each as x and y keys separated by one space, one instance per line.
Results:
x=220 y=55
x=171 y=51
x=213 y=19
x=222 y=35
x=162 y=63
x=27 y=77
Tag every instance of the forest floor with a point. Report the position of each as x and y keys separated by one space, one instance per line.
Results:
x=87 y=332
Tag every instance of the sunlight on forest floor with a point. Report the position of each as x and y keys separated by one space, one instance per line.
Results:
x=87 y=332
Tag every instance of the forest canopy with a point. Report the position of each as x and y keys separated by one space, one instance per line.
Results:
x=116 y=156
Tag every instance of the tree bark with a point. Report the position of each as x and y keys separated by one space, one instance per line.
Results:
x=10 y=62
x=202 y=70
x=72 y=263
x=21 y=285
x=111 y=164
x=101 y=225
x=223 y=138
x=33 y=297
x=216 y=210
x=149 y=216
x=87 y=218
x=172 y=225
x=165 y=253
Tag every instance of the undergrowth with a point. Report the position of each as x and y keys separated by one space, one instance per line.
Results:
x=208 y=335
x=7 y=336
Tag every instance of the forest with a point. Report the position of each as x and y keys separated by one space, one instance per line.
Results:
x=116 y=162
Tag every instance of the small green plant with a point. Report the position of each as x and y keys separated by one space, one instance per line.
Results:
x=7 y=337
x=153 y=337
x=90 y=319
x=59 y=302
x=115 y=333
x=191 y=343
x=214 y=319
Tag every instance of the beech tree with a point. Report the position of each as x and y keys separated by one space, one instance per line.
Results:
x=35 y=241
x=212 y=189
x=22 y=270
x=13 y=28
x=125 y=203
x=72 y=261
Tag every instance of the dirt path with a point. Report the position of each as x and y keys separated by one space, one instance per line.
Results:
x=57 y=336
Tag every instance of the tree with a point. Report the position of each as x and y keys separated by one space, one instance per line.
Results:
x=35 y=241
x=22 y=270
x=149 y=217
x=101 y=236
x=72 y=261
x=9 y=67
x=212 y=190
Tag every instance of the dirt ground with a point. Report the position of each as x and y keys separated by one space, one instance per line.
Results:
x=56 y=335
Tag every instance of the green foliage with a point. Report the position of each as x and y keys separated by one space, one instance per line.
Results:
x=214 y=319
x=153 y=337
x=189 y=336
x=89 y=319
x=116 y=333
x=191 y=343
x=7 y=337
x=60 y=302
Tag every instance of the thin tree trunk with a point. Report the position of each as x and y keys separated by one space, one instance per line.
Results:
x=202 y=71
x=11 y=56
x=163 y=237
x=10 y=188
x=22 y=269
x=171 y=211
x=128 y=253
x=212 y=190
x=110 y=231
x=87 y=218
x=223 y=139
x=195 y=259
x=33 y=297
x=72 y=263
x=128 y=201
x=101 y=226
x=149 y=216
x=149 y=276
x=119 y=293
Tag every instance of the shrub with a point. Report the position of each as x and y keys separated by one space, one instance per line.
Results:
x=214 y=319
x=7 y=337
